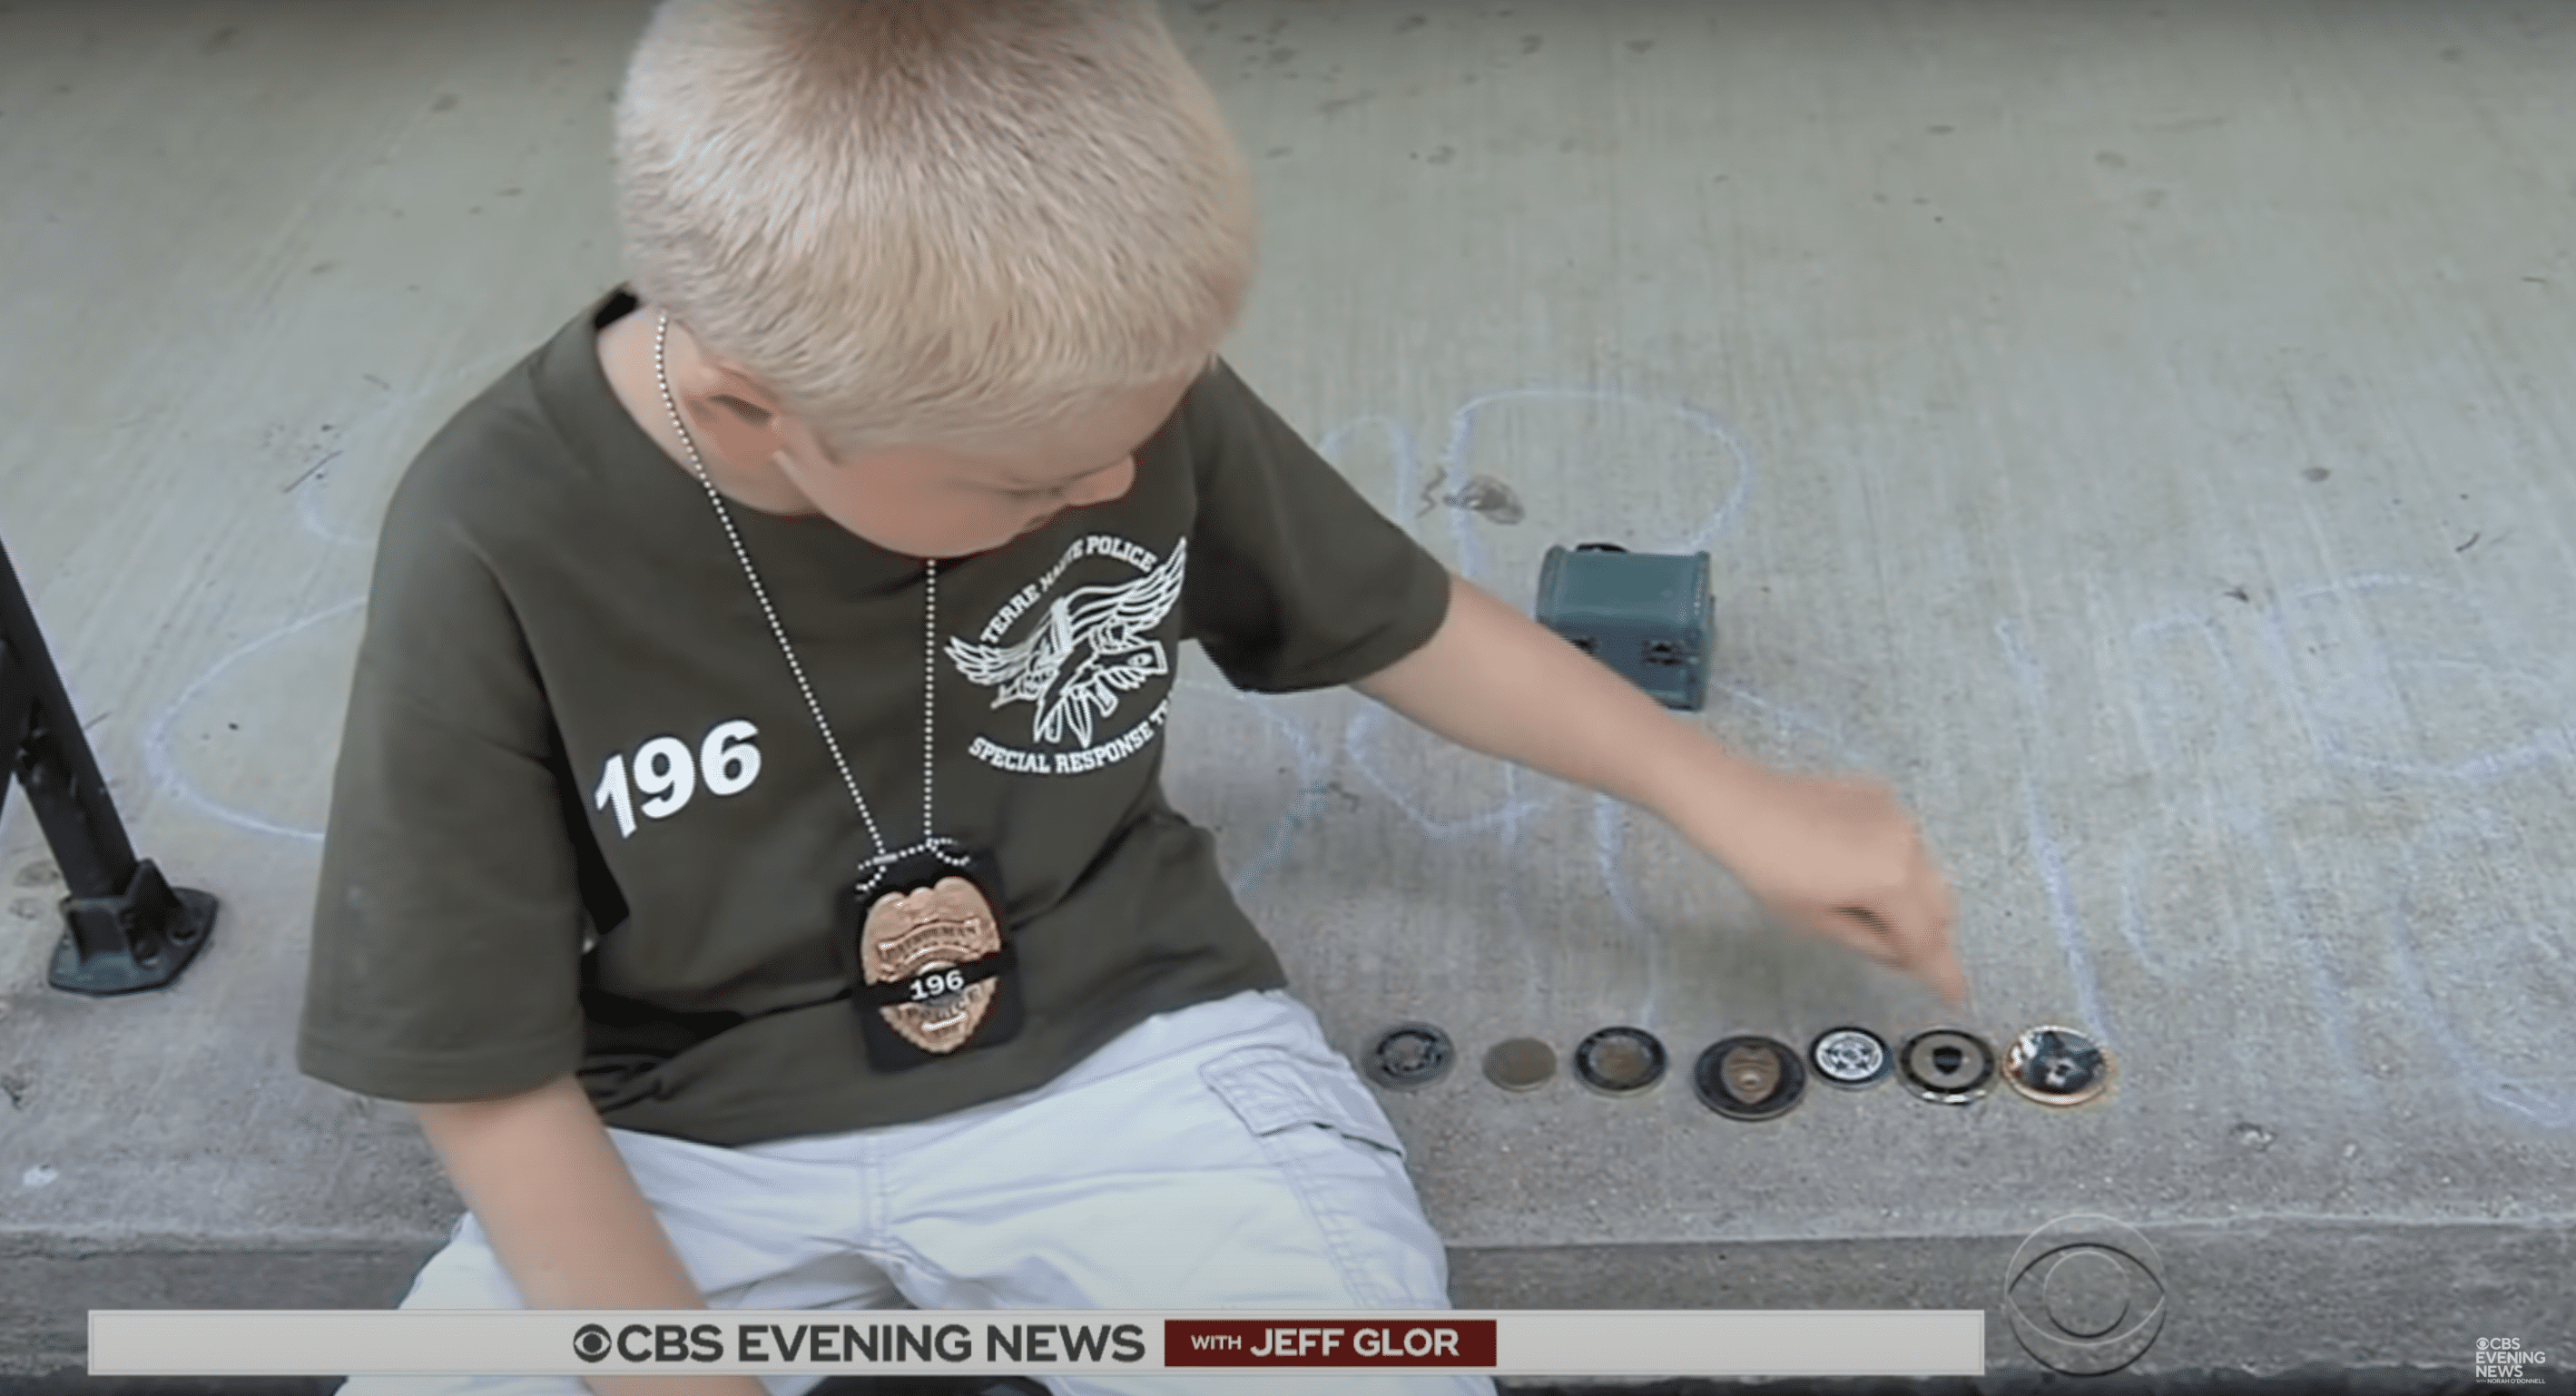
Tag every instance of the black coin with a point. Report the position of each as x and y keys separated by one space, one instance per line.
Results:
x=1408 y=1056
x=1947 y=1066
x=1620 y=1061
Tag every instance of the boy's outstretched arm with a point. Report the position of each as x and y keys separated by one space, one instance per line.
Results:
x=1837 y=857
x=564 y=1214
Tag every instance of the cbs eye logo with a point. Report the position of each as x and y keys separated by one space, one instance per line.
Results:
x=2086 y=1295
x=591 y=1343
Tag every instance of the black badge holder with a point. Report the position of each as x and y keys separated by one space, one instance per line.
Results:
x=1646 y=615
x=889 y=1050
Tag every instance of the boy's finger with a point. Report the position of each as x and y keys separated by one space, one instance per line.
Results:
x=1873 y=935
x=1930 y=955
x=1850 y=933
x=1936 y=958
x=1948 y=975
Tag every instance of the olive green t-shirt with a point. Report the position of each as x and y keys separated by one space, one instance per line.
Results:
x=570 y=721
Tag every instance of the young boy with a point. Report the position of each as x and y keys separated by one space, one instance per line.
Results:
x=748 y=851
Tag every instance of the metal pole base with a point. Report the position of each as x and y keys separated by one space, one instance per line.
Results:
x=139 y=939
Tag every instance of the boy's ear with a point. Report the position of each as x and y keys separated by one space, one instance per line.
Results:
x=749 y=414
x=743 y=395
x=739 y=418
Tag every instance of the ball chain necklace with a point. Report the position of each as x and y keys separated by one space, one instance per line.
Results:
x=920 y=932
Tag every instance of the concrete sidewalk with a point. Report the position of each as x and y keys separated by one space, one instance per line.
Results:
x=2144 y=434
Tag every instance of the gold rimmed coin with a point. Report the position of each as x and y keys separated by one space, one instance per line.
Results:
x=2056 y=1066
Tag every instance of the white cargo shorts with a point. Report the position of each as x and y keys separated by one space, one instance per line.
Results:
x=1218 y=1156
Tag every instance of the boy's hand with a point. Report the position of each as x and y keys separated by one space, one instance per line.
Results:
x=1838 y=857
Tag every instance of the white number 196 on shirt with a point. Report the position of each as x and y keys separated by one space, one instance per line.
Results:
x=726 y=763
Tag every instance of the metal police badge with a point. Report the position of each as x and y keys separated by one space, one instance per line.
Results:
x=930 y=963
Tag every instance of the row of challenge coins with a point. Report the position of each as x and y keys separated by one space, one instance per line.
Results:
x=1761 y=1078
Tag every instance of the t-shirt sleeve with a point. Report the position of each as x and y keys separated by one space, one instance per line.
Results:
x=447 y=926
x=1295 y=581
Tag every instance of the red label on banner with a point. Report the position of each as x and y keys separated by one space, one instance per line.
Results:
x=1331 y=1342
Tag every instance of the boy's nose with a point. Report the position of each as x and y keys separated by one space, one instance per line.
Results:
x=1105 y=486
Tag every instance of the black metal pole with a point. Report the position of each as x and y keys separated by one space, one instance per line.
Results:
x=125 y=928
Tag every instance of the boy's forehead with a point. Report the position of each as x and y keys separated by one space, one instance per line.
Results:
x=1084 y=444
x=1048 y=464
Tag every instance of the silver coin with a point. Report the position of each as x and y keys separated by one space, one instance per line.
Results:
x=1851 y=1057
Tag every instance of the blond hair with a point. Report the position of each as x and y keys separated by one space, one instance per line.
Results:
x=929 y=221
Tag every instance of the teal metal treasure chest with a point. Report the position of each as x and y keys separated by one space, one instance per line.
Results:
x=1646 y=615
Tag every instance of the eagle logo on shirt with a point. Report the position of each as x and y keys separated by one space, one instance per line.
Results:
x=1093 y=645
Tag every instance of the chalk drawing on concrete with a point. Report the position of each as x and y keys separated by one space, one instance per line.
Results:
x=165 y=768
x=1399 y=442
x=308 y=512
x=2180 y=673
x=2031 y=687
x=2361 y=722
x=1609 y=817
x=373 y=446
x=2350 y=703
x=1359 y=744
x=2294 y=909
x=1609 y=838
x=1468 y=541
x=2519 y=948
x=371 y=443
x=1523 y=799
x=1509 y=819
x=2213 y=644
x=2133 y=917
x=2387 y=715
x=1837 y=740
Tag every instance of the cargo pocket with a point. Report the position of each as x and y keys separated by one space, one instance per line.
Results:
x=1274 y=1090
x=1319 y=1127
